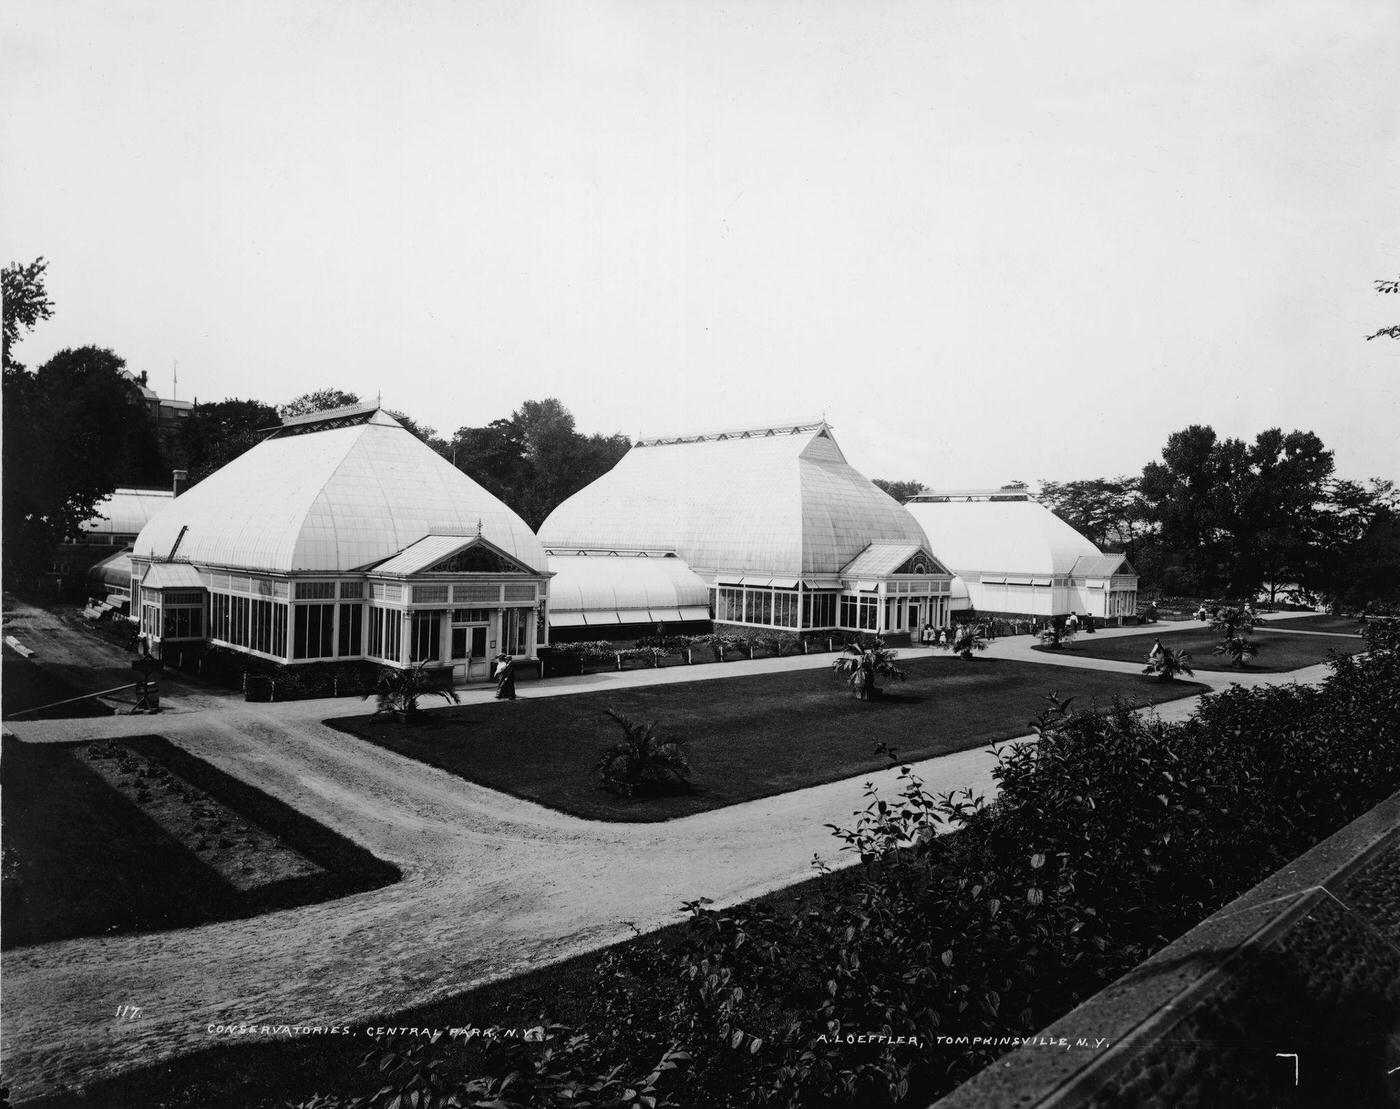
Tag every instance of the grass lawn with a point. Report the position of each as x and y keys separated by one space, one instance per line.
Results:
x=751 y=737
x=1341 y=625
x=1279 y=652
x=80 y=859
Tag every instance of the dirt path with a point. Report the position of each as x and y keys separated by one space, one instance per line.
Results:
x=492 y=885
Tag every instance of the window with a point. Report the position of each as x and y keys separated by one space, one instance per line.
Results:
x=426 y=636
x=476 y=594
x=430 y=594
x=758 y=606
x=313 y=590
x=312 y=630
x=858 y=612
x=729 y=606
x=384 y=629
x=351 y=624
x=517 y=620
x=183 y=623
x=471 y=615
x=352 y=589
x=784 y=608
x=819 y=610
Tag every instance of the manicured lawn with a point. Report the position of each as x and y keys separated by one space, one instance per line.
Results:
x=81 y=859
x=1341 y=625
x=1279 y=652
x=750 y=737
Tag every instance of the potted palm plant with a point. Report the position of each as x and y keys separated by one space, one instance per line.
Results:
x=641 y=763
x=1166 y=664
x=398 y=691
x=866 y=665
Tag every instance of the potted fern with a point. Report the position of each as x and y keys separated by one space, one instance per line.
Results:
x=398 y=691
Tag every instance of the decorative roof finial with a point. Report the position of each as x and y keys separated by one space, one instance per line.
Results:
x=478 y=527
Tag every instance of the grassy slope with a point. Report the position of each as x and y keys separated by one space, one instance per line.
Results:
x=752 y=736
x=1279 y=652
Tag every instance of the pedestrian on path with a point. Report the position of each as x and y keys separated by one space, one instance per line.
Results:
x=505 y=678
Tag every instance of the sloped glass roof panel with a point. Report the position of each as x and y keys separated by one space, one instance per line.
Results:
x=332 y=500
x=126 y=511
x=783 y=503
x=590 y=583
x=1000 y=536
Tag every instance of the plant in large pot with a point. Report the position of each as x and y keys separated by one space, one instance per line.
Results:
x=966 y=640
x=866 y=665
x=1166 y=664
x=641 y=763
x=398 y=691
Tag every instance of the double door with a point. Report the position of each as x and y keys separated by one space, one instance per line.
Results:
x=469 y=659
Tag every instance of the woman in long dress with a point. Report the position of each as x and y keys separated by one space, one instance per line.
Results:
x=505 y=678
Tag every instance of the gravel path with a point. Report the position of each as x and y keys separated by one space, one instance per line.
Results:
x=492 y=885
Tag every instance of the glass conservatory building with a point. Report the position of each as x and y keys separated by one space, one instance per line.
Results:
x=341 y=536
x=1017 y=558
x=758 y=528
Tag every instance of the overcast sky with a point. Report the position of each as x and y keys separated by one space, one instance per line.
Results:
x=988 y=241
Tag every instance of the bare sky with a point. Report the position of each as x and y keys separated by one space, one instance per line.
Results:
x=989 y=241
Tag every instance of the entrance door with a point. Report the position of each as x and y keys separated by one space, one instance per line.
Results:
x=469 y=651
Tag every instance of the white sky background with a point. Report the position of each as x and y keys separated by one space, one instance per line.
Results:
x=990 y=241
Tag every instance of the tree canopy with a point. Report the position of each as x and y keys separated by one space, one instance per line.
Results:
x=1227 y=517
x=26 y=301
x=213 y=435
x=535 y=459
x=319 y=400
x=899 y=490
x=74 y=430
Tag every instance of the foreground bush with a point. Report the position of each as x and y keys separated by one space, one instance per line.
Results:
x=1111 y=835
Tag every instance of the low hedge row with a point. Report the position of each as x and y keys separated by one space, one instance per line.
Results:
x=1111 y=835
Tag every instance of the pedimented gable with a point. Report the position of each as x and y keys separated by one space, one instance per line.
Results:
x=478 y=557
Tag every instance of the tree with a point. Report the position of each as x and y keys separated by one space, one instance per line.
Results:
x=74 y=430
x=213 y=435
x=535 y=459
x=1109 y=512
x=423 y=433
x=1183 y=495
x=1234 y=623
x=1387 y=285
x=866 y=665
x=321 y=400
x=901 y=491
x=26 y=302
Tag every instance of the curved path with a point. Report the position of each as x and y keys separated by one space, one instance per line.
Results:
x=492 y=885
